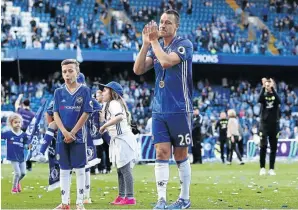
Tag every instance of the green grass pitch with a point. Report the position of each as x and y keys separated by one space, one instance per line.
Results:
x=214 y=186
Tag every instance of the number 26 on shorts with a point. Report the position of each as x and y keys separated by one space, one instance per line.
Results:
x=184 y=140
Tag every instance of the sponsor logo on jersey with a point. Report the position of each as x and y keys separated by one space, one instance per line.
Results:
x=77 y=108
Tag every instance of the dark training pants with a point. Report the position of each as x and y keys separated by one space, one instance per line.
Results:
x=232 y=148
x=223 y=141
x=271 y=131
x=196 y=151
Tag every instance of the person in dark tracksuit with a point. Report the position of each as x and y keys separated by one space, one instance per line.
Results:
x=196 y=136
x=269 y=126
x=222 y=126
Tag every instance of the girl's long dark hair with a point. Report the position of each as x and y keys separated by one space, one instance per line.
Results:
x=116 y=97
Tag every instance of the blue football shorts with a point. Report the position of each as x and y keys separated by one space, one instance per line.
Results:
x=73 y=155
x=174 y=128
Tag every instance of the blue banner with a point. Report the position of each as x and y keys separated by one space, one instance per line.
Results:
x=209 y=148
x=147 y=148
x=33 y=133
x=54 y=168
x=287 y=148
x=3 y=149
x=91 y=154
x=92 y=134
x=130 y=56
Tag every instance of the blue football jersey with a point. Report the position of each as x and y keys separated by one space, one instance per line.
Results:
x=176 y=95
x=15 y=145
x=70 y=107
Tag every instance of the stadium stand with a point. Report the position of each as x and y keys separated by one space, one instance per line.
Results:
x=215 y=26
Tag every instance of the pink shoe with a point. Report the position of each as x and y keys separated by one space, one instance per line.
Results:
x=62 y=206
x=118 y=200
x=126 y=201
x=14 y=190
x=19 y=187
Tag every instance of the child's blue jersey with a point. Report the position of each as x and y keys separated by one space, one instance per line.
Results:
x=15 y=145
x=70 y=107
x=176 y=95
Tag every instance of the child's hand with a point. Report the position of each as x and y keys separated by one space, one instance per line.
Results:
x=29 y=146
x=102 y=129
x=68 y=137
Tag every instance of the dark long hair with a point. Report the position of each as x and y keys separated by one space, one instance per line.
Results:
x=116 y=97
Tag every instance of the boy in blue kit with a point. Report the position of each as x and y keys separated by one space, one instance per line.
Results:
x=52 y=128
x=16 y=142
x=172 y=104
x=72 y=105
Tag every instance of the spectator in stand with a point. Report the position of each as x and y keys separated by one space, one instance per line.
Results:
x=265 y=12
x=189 y=7
x=179 y=5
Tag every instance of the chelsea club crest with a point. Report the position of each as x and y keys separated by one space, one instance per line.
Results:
x=54 y=174
x=79 y=100
x=90 y=152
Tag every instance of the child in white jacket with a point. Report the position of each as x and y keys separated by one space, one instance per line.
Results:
x=123 y=144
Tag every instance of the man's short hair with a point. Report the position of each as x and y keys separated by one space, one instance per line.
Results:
x=175 y=13
x=71 y=61
x=26 y=102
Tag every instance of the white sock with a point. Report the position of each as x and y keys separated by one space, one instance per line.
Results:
x=70 y=173
x=65 y=185
x=87 y=185
x=185 y=177
x=162 y=173
x=80 y=174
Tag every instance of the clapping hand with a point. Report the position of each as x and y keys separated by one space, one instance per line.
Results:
x=153 y=31
x=272 y=83
x=264 y=81
x=145 y=35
